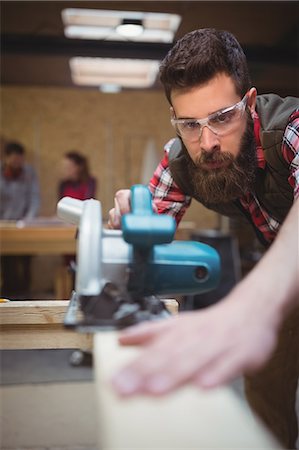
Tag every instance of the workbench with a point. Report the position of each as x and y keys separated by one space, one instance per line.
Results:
x=41 y=237
x=38 y=237
x=38 y=324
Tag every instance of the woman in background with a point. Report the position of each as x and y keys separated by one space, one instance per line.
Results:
x=77 y=181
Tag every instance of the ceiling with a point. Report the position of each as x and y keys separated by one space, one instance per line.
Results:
x=34 y=50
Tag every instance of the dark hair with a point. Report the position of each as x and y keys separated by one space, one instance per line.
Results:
x=200 y=55
x=14 y=148
x=80 y=161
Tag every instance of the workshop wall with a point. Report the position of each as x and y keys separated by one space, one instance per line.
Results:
x=113 y=130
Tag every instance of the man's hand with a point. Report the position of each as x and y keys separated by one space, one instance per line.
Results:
x=121 y=206
x=208 y=348
x=212 y=346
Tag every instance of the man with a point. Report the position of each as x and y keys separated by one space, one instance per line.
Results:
x=238 y=154
x=19 y=199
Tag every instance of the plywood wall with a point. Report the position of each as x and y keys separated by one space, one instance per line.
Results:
x=111 y=129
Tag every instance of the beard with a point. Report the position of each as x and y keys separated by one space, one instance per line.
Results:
x=237 y=177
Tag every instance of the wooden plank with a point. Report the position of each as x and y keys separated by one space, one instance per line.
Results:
x=42 y=337
x=33 y=312
x=38 y=324
x=189 y=418
x=49 y=312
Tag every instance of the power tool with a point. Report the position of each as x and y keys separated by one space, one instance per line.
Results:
x=122 y=275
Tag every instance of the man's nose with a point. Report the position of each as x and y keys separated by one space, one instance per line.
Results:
x=209 y=141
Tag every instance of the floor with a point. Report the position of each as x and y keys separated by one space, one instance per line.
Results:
x=50 y=415
x=46 y=403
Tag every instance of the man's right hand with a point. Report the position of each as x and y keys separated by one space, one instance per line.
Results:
x=122 y=205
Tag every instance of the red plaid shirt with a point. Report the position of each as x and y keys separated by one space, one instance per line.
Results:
x=169 y=199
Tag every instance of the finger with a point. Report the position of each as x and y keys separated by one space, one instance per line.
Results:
x=116 y=214
x=163 y=365
x=122 y=198
x=132 y=379
x=154 y=373
x=114 y=221
x=111 y=221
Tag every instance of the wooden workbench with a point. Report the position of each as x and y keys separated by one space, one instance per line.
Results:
x=37 y=238
x=41 y=237
x=38 y=324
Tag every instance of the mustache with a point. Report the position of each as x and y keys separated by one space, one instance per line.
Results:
x=216 y=156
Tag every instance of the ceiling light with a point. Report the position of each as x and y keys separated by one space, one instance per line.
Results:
x=104 y=24
x=134 y=73
x=130 y=28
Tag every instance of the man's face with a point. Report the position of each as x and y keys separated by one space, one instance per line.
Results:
x=221 y=167
x=15 y=161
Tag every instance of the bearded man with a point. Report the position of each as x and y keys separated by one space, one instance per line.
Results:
x=238 y=154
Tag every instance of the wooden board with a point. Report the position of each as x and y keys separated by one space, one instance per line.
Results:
x=187 y=419
x=38 y=324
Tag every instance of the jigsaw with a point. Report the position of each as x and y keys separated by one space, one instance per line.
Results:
x=122 y=275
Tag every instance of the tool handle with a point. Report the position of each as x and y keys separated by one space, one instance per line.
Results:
x=141 y=200
x=142 y=227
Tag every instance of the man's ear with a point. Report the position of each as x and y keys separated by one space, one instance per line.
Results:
x=172 y=114
x=251 y=102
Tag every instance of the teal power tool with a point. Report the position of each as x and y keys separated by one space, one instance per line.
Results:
x=121 y=274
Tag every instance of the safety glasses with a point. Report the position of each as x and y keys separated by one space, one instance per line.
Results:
x=221 y=122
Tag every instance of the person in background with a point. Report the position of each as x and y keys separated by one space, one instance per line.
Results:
x=19 y=200
x=76 y=180
x=237 y=153
x=78 y=183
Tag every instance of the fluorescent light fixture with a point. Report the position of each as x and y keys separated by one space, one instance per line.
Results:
x=127 y=73
x=104 y=24
x=130 y=28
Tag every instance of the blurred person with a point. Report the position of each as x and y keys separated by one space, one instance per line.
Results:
x=237 y=153
x=78 y=183
x=19 y=200
x=76 y=179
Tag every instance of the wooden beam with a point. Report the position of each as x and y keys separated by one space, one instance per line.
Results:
x=187 y=418
x=38 y=324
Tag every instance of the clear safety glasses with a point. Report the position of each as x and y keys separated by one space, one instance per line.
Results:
x=220 y=122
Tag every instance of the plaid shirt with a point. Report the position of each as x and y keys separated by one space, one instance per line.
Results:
x=169 y=199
